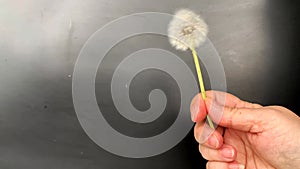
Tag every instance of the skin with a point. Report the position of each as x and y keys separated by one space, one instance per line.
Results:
x=248 y=135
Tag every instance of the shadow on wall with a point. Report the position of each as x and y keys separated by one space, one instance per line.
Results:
x=283 y=29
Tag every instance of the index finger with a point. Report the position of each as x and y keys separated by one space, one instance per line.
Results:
x=229 y=100
x=199 y=108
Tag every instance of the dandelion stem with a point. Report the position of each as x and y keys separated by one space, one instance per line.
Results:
x=201 y=83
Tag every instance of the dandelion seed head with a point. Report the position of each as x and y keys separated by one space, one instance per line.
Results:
x=187 y=30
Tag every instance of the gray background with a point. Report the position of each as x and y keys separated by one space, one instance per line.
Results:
x=258 y=42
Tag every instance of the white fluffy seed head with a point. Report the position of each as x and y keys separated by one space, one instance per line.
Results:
x=187 y=30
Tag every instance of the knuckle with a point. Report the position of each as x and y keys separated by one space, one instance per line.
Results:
x=255 y=105
x=278 y=109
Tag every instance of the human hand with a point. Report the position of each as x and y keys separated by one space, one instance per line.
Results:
x=248 y=135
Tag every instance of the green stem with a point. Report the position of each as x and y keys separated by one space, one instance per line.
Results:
x=201 y=83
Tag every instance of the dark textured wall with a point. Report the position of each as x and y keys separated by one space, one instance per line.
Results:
x=258 y=42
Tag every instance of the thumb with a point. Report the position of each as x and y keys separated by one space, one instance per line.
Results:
x=198 y=109
x=243 y=119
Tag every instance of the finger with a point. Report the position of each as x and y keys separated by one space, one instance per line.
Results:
x=225 y=154
x=223 y=165
x=216 y=165
x=198 y=108
x=229 y=100
x=237 y=118
x=207 y=136
x=243 y=119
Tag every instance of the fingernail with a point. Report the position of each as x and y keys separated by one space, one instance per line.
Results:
x=213 y=141
x=195 y=108
x=227 y=153
x=236 y=166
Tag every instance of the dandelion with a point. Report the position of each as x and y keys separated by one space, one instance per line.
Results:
x=188 y=30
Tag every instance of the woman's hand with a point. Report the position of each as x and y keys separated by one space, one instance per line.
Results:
x=248 y=135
